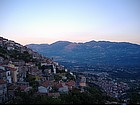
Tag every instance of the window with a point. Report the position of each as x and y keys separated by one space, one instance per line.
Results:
x=8 y=73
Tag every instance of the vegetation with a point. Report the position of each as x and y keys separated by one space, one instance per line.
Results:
x=4 y=53
x=75 y=97
x=32 y=82
x=21 y=56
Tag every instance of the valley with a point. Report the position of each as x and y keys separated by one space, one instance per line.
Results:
x=113 y=66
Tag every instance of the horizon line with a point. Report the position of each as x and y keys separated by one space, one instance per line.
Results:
x=102 y=40
x=77 y=42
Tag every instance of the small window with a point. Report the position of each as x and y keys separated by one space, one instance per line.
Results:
x=8 y=73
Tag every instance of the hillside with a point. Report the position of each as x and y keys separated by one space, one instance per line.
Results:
x=27 y=77
x=93 y=52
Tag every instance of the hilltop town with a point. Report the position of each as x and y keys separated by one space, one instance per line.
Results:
x=25 y=72
x=22 y=69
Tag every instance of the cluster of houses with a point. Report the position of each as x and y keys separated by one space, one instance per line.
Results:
x=15 y=73
x=111 y=86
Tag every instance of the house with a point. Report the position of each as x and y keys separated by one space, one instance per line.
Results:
x=71 y=84
x=17 y=45
x=48 y=68
x=64 y=78
x=22 y=72
x=42 y=90
x=11 y=90
x=18 y=62
x=37 y=74
x=3 y=91
x=50 y=77
x=47 y=84
x=9 y=48
x=1 y=60
x=6 y=61
x=5 y=73
x=2 y=74
x=10 y=45
x=33 y=70
x=25 y=88
x=8 y=75
x=5 y=41
x=1 y=41
x=23 y=49
x=60 y=67
x=13 y=74
x=23 y=83
x=62 y=87
x=30 y=64
x=83 y=81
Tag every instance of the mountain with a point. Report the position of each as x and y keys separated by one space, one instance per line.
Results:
x=92 y=53
x=38 y=47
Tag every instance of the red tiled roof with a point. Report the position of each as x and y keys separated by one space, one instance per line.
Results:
x=12 y=69
x=46 y=84
x=71 y=83
x=59 y=85
x=30 y=63
x=23 y=87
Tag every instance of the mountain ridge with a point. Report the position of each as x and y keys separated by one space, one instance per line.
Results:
x=92 y=52
x=105 y=41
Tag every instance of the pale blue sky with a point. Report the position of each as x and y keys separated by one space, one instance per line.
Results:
x=47 y=21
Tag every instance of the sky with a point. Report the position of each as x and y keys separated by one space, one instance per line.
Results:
x=47 y=21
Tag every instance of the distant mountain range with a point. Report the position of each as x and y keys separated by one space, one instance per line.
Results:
x=92 y=53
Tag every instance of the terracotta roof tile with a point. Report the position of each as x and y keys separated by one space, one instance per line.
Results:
x=23 y=87
x=59 y=85
x=71 y=83
x=46 y=84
